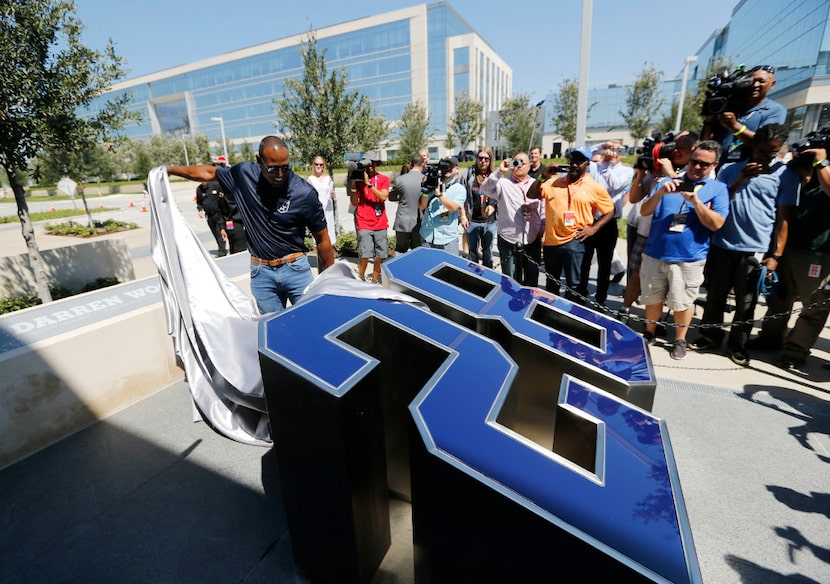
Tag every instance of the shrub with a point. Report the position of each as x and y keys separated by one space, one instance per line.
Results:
x=25 y=301
x=99 y=227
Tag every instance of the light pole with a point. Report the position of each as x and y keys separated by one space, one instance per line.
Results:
x=224 y=142
x=689 y=61
x=533 y=127
x=184 y=143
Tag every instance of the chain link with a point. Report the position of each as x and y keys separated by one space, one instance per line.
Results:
x=628 y=317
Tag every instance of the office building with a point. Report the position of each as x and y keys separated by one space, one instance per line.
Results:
x=426 y=52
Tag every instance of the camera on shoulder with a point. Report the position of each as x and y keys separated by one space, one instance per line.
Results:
x=727 y=92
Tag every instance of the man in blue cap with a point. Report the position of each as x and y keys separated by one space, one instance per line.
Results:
x=571 y=202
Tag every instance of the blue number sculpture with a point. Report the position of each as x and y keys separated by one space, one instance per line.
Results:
x=515 y=420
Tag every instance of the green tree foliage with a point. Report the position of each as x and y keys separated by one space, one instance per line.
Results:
x=519 y=124
x=563 y=115
x=692 y=118
x=319 y=116
x=413 y=130
x=642 y=102
x=47 y=76
x=247 y=152
x=467 y=122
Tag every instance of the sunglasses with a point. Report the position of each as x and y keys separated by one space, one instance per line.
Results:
x=272 y=170
x=701 y=164
x=484 y=158
x=767 y=68
x=318 y=164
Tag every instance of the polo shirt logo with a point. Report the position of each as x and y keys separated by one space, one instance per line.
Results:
x=284 y=205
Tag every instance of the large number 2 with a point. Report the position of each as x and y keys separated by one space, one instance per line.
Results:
x=527 y=441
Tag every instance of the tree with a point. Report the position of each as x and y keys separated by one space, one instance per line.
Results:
x=374 y=129
x=518 y=123
x=642 y=102
x=247 y=152
x=319 y=116
x=564 y=108
x=414 y=132
x=467 y=121
x=48 y=77
x=692 y=117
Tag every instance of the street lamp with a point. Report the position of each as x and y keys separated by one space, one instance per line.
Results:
x=224 y=142
x=535 y=119
x=689 y=61
x=184 y=143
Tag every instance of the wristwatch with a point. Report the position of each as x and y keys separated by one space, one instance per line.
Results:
x=824 y=163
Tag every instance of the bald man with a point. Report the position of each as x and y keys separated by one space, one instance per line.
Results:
x=276 y=206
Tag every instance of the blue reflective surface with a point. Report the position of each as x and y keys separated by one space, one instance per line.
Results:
x=630 y=508
x=425 y=272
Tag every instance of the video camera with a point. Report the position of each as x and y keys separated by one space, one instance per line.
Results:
x=433 y=173
x=357 y=165
x=726 y=91
x=819 y=139
x=653 y=148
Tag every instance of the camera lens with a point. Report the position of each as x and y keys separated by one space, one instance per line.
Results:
x=517 y=163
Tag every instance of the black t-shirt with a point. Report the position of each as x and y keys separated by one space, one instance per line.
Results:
x=275 y=220
x=810 y=229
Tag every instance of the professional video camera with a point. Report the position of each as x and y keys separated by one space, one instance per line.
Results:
x=726 y=92
x=819 y=139
x=433 y=173
x=653 y=148
x=356 y=165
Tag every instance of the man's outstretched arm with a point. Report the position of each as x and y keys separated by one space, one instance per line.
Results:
x=199 y=172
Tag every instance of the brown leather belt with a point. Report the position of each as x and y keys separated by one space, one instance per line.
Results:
x=278 y=262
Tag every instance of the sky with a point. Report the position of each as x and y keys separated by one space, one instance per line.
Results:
x=540 y=43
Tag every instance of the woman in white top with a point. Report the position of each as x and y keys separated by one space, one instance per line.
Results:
x=321 y=181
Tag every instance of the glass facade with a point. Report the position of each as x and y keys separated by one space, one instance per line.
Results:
x=377 y=55
x=792 y=37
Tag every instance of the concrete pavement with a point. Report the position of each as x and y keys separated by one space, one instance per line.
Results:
x=148 y=496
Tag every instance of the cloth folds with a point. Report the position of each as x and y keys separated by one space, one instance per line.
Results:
x=215 y=325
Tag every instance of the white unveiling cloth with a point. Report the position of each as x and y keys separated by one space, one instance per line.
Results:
x=214 y=324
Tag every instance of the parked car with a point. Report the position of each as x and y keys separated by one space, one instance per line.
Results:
x=466 y=155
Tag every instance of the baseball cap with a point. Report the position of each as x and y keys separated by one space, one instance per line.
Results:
x=451 y=160
x=221 y=160
x=584 y=151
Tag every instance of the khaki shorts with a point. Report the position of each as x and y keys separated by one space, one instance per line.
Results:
x=676 y=283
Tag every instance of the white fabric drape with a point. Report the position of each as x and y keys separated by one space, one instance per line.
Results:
x=214 y=324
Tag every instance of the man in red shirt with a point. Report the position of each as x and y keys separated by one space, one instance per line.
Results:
x=369 y=196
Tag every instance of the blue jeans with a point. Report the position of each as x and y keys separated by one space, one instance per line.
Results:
x=567 y=259
x=484 y=233
x=273 y=286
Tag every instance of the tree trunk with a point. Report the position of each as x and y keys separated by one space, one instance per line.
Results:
x=86 y=208
x=35 y=260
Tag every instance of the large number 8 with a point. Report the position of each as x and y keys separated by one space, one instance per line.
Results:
x=534 y=448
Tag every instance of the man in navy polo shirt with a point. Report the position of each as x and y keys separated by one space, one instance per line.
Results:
x=276 y=206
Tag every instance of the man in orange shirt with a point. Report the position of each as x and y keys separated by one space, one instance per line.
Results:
x=571 y=202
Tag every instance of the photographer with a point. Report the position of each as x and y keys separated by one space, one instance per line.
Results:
x=642 y=184
x=572 y=201
x=804 y=265
x=520 y=224
x=443 y=209
x=758 y=188
x=368 y=195
x=733 y=129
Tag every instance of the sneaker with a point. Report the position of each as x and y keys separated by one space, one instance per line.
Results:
x=763 y=343
x=739 y=357
x=703 y=344
x=617 y=278
x=649 y=337
x=678 y=349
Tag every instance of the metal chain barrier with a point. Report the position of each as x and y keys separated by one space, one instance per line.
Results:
x=628 y=317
